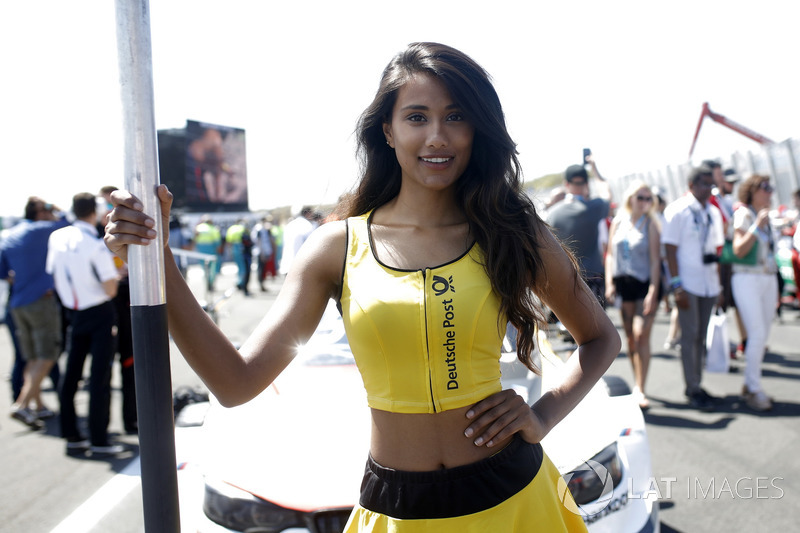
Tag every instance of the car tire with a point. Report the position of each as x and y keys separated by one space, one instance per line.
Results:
x=616 y=386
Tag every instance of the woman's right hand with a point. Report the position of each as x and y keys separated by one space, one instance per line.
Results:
x=128 y=224
x=762 y=218
x=681 y=299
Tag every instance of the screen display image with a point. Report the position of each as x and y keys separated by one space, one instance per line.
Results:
x=216 y=170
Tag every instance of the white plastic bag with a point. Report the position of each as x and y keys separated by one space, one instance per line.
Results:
x=717 y=344
x=3 y=300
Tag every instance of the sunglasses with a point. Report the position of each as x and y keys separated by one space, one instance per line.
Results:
x=766 y=187
x=644 y=198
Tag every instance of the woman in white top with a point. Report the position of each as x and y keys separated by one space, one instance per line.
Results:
x=633 y=269
x=755 y=283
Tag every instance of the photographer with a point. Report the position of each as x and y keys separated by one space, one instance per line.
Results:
x=692 y=236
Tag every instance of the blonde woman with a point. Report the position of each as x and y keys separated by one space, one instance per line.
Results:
x=633 y=269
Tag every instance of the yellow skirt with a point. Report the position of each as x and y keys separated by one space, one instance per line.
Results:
x=515 y=490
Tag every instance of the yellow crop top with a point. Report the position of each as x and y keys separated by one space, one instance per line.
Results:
x=424 y=340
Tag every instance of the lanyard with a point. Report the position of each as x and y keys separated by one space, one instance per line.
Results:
x=698 y=222
x=766 y=233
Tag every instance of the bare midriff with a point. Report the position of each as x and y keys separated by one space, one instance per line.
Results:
x=423 y=442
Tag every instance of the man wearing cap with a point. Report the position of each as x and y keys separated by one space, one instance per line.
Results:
x=724 y=194
x=722 y=198
x=575 y=220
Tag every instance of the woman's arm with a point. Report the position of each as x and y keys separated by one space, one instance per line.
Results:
x=611 y=289
x=597 y=338
x=501 y=415
x=654 y=238
x=745 y=238
x=236 y=376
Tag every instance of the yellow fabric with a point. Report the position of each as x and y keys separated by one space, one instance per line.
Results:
x=206 y=233
x=544 y=505
x=234 y=233
x=424 y=341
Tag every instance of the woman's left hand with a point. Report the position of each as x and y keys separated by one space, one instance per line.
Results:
x=650 y=303
x=498 y=417
x=127 y=224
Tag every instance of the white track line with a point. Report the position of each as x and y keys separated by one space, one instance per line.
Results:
x=85 y=517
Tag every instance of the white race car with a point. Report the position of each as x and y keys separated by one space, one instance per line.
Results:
x=291 y=460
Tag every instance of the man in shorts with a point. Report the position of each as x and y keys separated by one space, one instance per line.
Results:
x=34 y=305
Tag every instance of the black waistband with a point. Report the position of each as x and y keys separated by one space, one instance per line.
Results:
x=453 y=491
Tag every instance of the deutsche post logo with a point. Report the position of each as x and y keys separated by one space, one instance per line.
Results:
x=441 y=285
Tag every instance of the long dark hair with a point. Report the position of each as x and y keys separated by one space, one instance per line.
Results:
x=501 y=216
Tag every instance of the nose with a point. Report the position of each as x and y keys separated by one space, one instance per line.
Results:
x=437 y=135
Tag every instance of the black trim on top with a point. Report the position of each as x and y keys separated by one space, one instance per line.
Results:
x=396 y=269
x=451 y=492
x=344 y=264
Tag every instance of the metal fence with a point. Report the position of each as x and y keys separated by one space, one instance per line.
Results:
x=779 y=161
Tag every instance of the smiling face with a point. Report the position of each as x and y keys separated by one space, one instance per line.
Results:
x=431 y=138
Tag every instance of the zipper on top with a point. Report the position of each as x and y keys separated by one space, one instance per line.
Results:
x=427 y=340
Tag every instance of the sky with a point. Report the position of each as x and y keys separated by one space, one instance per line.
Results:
x=625 y=78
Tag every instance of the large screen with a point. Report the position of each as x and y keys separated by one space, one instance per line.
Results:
x=204 y=166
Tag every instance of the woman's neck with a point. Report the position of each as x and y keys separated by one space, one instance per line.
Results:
x=423 y=210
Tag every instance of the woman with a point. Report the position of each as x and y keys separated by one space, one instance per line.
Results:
x=633 y=274
x=756 y=283
x=440 y=249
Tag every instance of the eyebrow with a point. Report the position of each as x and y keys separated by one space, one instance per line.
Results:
x=420 y=107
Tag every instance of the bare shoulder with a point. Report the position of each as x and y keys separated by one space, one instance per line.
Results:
x=654 y=228
x=322 y=255
x=330 y=237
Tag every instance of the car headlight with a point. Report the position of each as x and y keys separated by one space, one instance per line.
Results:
x=596 y=477
x=239 y=510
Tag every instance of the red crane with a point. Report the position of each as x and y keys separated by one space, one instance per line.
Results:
x=735 y=126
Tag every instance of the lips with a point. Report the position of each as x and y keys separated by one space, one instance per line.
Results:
x=437 y=160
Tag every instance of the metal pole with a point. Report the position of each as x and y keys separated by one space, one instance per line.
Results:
x=792 y=165
x=146 y=272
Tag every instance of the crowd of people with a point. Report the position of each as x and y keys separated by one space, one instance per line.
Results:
x=627 y=253
x=258 y=246
x=69 y=295
x=440 y=193
x=698 y=254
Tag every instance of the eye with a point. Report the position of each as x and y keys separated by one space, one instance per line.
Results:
x=456 y=117
x=416 y=117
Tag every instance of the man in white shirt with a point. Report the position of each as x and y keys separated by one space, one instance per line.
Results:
x=692 y=236
x=294 y=235
x=86 y=280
